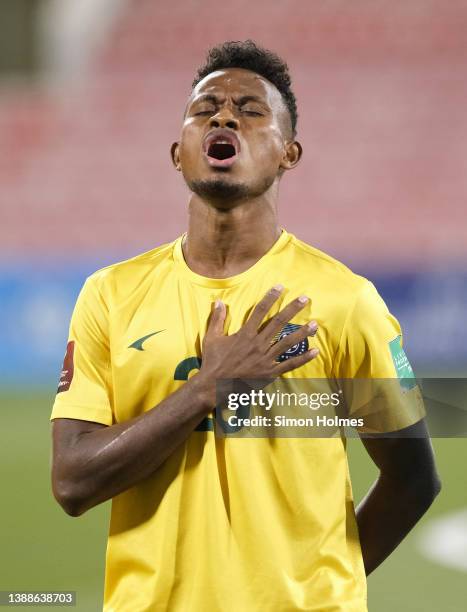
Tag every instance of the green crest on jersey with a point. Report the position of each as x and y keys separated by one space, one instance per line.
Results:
x=402 y=365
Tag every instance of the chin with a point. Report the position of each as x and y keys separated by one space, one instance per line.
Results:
x=220 y=189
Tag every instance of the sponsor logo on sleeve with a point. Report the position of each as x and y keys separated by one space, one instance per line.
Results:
x=66 y=375
x=401 y=364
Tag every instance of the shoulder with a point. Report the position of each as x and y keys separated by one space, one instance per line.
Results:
x=327 y=273
x=125 y=276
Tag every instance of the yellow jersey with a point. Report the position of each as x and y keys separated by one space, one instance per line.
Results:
x=225 y=524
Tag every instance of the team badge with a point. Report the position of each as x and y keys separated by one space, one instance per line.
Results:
x=295 y=350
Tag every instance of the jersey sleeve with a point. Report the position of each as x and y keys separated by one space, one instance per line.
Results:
x=84 y=388
x=374 y=373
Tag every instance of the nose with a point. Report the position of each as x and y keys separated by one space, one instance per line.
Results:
x=224 y=119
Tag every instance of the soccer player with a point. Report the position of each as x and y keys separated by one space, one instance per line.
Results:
x=201 y=522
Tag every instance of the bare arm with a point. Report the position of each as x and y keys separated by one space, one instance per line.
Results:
x=405 y=489
x=93 y=462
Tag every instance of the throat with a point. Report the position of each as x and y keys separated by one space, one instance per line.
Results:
x=216 y=259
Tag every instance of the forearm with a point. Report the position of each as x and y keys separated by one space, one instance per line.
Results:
x=389 y=511
x=105 y=462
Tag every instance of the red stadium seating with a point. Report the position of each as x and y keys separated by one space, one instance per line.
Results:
x=382 y=95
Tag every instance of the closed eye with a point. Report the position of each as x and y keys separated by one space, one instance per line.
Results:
x=251 y=113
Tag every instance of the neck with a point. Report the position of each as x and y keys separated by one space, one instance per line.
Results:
x=221 y=243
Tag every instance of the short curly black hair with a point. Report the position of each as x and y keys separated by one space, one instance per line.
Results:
x=250 y=56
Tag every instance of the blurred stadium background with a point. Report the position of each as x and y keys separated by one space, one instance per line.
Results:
x=91 y=98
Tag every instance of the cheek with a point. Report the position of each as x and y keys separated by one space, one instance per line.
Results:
x=269 y=145
x=189 y=143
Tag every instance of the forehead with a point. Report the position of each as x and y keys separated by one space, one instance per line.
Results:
x=239 y=82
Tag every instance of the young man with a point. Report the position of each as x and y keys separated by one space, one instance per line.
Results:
x=203 y=523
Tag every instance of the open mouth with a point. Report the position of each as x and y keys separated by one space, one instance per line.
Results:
x=221 y=148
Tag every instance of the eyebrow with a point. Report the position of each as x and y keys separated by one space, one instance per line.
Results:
x=242 y=100
x=250 y=98
x=206 y=98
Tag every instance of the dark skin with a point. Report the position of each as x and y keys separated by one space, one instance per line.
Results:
x=93 y=462
x=225 y=238
x=404 y=490
x=232 y=224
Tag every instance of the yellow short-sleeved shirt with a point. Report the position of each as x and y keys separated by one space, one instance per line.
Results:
x=225 y=524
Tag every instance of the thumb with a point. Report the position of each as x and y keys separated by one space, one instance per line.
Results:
x=217 y=319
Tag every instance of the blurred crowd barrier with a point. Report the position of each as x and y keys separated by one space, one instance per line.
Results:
x=86 y=177
x=36 y=305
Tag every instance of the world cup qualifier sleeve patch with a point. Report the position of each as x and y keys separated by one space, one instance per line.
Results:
x=401 y=364
x=66 y=375
x=297 y=349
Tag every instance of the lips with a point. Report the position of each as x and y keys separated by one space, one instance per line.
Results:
x=221 y=147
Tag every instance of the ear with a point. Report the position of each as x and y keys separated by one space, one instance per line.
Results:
x=292 y=155
x=174 y=153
